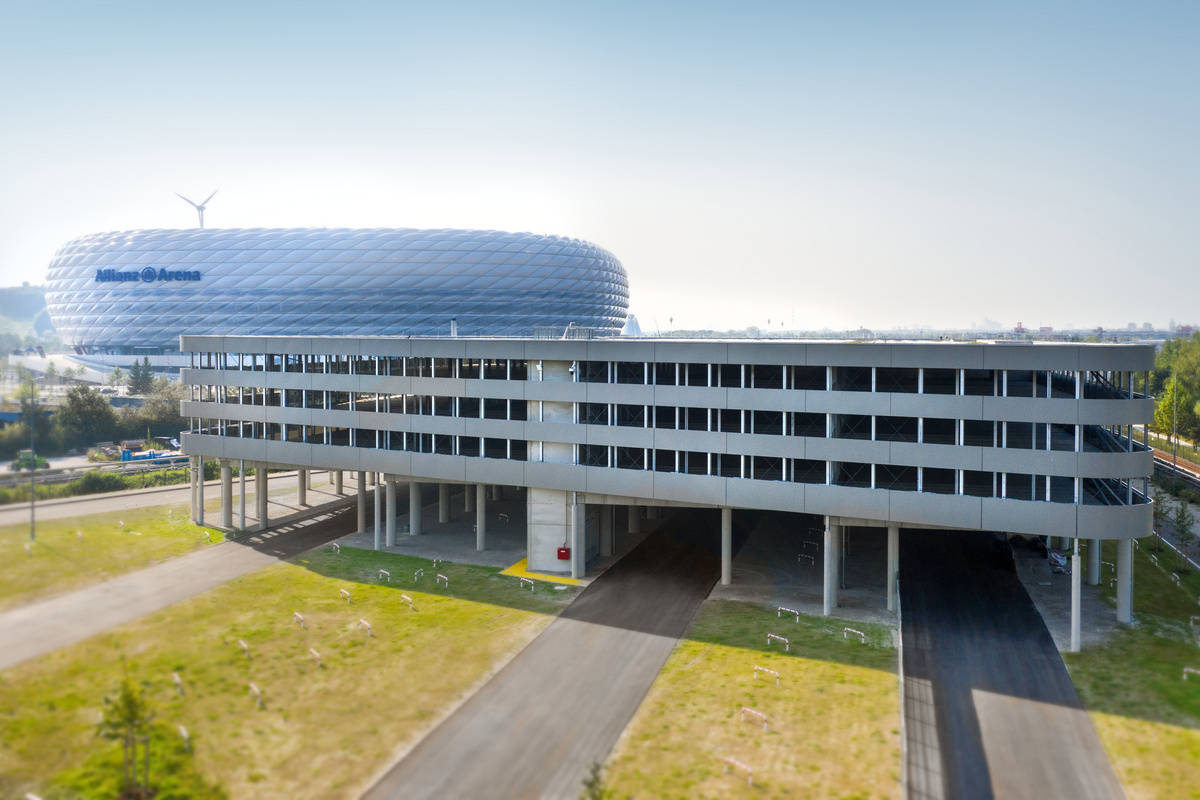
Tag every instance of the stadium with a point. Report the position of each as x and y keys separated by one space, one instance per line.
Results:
x=119 y=295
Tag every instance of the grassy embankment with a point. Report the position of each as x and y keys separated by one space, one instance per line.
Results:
x=1147 y=716
x=323 y=729
x=833 y=720
x=73 y=552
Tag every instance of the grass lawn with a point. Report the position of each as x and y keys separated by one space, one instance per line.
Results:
x=1148 y=717
x=833 y=720
x=324 y=730
x=72 y=553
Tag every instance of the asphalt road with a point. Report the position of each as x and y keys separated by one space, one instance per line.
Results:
x=535 y=728
x=990 y=710
x=38 y=628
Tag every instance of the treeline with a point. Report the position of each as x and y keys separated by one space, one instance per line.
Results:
x=86 y=417
x=1175 y=382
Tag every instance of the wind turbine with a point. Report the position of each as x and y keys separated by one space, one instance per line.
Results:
x=198 y=206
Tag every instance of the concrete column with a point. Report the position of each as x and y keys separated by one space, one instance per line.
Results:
x=226 y=495
x=726 y=546
x=414 y=508
x=200 y=493
x=377 y=528
x=1064 y=542
x=606 y=530
x=651 y=512
x=829 y=598
x=1124 y=580
x=578 y=539
x=192 y=485
x=390 y=512
x=469 y=492
x=893 y=565
x=443 y=502
x=242 y=495
x=635 y=519
x=480 y=515
x=1076 y=584
x=260 y=494
x=302 y=487
x=370 y=479
x=308 y=473
x=1094 y=562
x=337 y=482
x=362 y=501
x=495 y=493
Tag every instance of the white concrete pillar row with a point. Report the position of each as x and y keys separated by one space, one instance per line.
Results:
x=302 y=487
x=414 y=508
x=480 y=515
x=1093 y=562
x=362 y=501
x=893 y=566
x=260 y=494
x=390 y=514
x=226 y=495
x=443 y=502
x=1076 y=598
x=829 y=595
x=1124 y=580
x=726 y=546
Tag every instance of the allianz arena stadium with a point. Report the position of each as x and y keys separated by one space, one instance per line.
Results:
x=135 y=292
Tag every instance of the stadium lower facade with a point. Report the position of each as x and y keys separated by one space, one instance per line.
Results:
x=133 y=293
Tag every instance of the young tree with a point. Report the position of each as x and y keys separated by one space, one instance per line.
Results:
x=1169 y=416
x=126 y=717
x=1182 y=520
x=1160 y=508
x=85 y=417
x=116 y=376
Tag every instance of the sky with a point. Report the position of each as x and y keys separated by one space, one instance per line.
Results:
x=811 y=165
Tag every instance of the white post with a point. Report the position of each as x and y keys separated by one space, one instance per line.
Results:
x=242 y=494
x=480 y=516
x=337 y=482
x=200 y=492
x=301 y=487
x=578 y=538
x=378 y=529
x=635 y=519
x=1076 y=584
x=362 y=501
x=1093 y=562
x=390 y=511
x=1124 y=580
x=443 y=502
x=829 y=598
x=726 y=546
x=893 y=564
x=495 y=492
x=414 y=508
x=226 y=495
x=260 y=494
x=192 y=483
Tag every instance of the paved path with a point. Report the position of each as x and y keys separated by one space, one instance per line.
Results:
x=560 y=704
x=990 y=710
x=39 y=628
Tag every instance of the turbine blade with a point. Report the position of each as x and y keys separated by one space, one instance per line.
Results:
x=210 y=197
x=189 y=202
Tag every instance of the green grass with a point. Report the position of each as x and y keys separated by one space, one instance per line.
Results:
x=324 y=730
x=1148 y=717
x=837 y=705
x=71 y=553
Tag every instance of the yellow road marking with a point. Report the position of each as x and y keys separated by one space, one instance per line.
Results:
x=518 y=570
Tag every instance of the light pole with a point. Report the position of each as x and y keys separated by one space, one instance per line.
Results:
x=32 y=468
x=1175 y=432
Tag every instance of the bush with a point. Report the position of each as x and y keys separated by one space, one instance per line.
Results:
x=94 y=481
